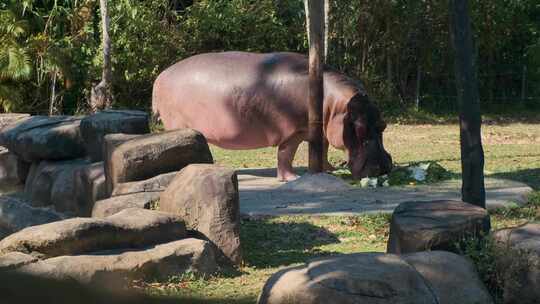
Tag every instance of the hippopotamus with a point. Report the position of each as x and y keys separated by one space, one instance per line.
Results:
x=241 y=100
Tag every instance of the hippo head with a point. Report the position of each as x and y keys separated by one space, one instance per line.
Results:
x=362 y=136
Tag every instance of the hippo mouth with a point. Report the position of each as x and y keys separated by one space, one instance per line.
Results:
x=367 y=167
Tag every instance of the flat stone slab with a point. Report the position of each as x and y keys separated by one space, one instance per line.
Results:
x=109 y=268
x=130 y=228
x=262 y=194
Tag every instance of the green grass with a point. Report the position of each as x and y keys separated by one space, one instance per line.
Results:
x=269 y=244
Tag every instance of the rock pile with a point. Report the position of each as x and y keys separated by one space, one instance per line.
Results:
x=135 y=243
x=105 y=171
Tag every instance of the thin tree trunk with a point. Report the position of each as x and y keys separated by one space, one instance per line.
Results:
x=326 y=28
x=524 y=84
x=53 y=94
x=101 y=96
x=418 y=83
x=315 y=24
x=306 y=9
x=472 y=153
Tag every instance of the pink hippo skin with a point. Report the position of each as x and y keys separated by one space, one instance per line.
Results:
x=244 y=100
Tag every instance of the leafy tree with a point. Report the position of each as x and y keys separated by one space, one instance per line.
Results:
x=15 y=61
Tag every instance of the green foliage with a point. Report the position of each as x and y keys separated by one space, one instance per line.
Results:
x=499 y=267
x=255 y=26
x=400 y=175
x=48 y=44
x=14 y=58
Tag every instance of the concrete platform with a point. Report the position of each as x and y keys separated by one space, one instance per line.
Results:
x=259 y=195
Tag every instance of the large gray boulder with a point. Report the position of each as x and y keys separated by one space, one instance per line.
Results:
x=90 y=187
x=44 y=138
x=131 y=228
x=452 y=277
x=155 y=184
x=96 y=126
x=111 y=269
x=111 y=141
x=115 y=204
x=434 y=225
x=206 y=197
x=519 y=257
x=52 y=177
x=367 y=278
x=150 y=155
x=16 y=214
x=376 y=278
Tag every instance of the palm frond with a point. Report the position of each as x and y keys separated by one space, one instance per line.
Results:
x=15 y=63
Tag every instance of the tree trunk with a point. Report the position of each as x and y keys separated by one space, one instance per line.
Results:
x=306 y=9
x=101 y=96
x=53 y=93
x=417 y=90
x=315 y=24
x=472 y=153
x=326 y=28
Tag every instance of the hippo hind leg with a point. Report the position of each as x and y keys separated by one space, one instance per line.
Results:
x=286 y=152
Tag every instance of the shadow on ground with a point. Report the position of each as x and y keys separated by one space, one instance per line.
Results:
x=267 y=172
x=270 y=244
x=14 y=290
x=530 y=177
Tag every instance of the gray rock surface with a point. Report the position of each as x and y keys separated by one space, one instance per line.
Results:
x=206 y=197
x=111 y=141
x=90 y=187
x=63 y=192
x=110 y=269
x=452 y=277
x=436 y=225
x=44 y=138
x=155 y=184
x=96 y=126
x=150 y=155
x=14 y=260
x=23 y=169
x=130 y=228
x=520 y=251
x=115 y=204
x=367 y=278
x=9 y=167
x=48 y=177
x=17 y=214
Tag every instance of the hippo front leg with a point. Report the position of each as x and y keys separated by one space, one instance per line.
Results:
x=327 y=166
x=286 y=152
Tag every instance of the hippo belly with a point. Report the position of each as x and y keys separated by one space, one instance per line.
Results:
x=230 y=99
